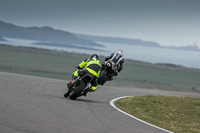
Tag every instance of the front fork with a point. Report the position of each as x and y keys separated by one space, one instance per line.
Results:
x=71 y=87
x=73 y=83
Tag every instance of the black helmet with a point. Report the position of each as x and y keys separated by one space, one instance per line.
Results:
x=94 y=56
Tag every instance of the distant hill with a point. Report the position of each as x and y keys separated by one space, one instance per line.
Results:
x=136 y=42
x=51 y=37
x=1 y=39
x=188 y=48
x=118 y=40
x=43 y=34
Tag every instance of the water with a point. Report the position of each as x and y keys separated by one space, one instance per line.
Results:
x=146 y=54
x=159 y=55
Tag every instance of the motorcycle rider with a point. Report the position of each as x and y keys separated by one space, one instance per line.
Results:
x=91 y=65
x=118 y=59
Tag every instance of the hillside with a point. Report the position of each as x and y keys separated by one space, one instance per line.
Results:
x=53 y=37
x=43 y=34
x=136 y=42
x=1 y=39
x=119 y=40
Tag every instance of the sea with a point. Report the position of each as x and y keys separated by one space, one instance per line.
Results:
x=189 y=59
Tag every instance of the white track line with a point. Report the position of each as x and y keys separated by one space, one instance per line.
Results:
x=113 y=105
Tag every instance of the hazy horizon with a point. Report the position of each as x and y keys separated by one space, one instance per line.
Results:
x=146 y=54
x=167 y=22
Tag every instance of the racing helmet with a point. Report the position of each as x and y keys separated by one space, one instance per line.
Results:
x=94 y=56
x=120 y=52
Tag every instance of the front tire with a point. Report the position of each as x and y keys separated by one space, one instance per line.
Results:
x=67 y=93
x=77 y=92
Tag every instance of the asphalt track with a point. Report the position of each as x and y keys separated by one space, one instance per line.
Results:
x=31 y=104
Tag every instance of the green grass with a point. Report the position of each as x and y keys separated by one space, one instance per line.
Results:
x=177 y=114
x=157 y=76
x=38 y=62
x=60 y=65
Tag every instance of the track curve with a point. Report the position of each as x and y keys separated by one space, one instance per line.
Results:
x=36 y=105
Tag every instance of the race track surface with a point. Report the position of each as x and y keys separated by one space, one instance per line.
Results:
x=36 y=105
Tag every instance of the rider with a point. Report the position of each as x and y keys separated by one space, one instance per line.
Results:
x=118 y=59
x=91 y=65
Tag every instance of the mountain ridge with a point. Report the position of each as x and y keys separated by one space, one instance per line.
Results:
x=56 y=37
x=119 y=40
x=136 y=42
x=43 y=34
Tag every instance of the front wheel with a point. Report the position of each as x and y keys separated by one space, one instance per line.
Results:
x=77 y=92
x=67 y=93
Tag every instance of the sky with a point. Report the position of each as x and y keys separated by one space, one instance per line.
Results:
x=167 y=22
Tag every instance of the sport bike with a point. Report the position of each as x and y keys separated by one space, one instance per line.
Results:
x=79 y=85
x=109 y=69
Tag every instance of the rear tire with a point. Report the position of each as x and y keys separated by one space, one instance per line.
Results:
x=78 y=91
x=101 y=79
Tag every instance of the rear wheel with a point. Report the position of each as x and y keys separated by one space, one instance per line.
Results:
x=102 y=78
x=77 y=92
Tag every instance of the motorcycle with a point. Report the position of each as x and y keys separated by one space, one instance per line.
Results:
x=79 y=85
x=109 y=68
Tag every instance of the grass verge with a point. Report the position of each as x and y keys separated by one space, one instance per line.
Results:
x=177 y=114
x=60 y=65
